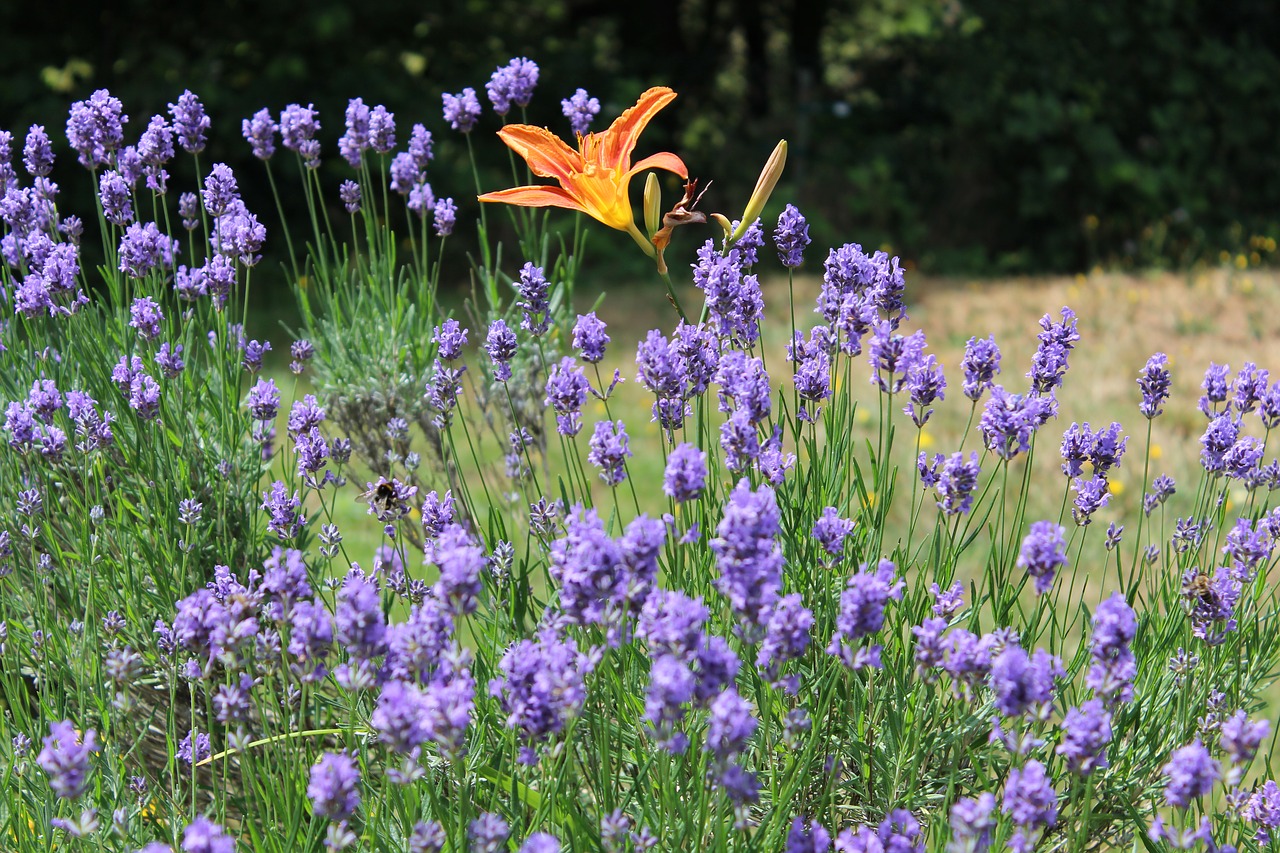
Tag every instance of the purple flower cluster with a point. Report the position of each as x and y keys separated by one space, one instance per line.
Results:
x=567 y=388
x=1043 y=552
x=542 y=687
x=748 y=556
x=512 y=83
x=862 y=606
x=609 y=451
x=462 y=110
x=580 y=109
x=981 y=364
x=1009 y=420
x=65 y=759
x=813 y=369
x=1114 y=666
x=791 y=237
x=734 y=302
x=857 y=289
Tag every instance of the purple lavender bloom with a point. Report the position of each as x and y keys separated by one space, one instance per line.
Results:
x=671 y=688
x=146 y=317
x=1049 y=363
x=1243 y=459
x=1077 y=441
x=286 y=520
x=589 y=337
x=1218 y=439
x=957 y=481
x=65 y=759
x=1091 y=496
x=786 y=638
x=813 y=839
x=350 y=196
x=925 y=384
x=566 y=393
x=609 y=451
x=1114 y=532
x=813 y=368
x=830 y=530
x=862 y=613
x=501 y=345
x=1192 y=772
x=155 y=147
x=334 y=788
x=659 y=371
x=1043 y=552
x=190 y=122
x=260 y=132
x=1009 y=420
x=353 y=143
x=220 y=190
x=672 y=623
x=580 y=109
x=512 y=82
x=1114 y=626
x=382 y=130
x=1107 y=449
x=686 y=473
x=1217 y=383
x=298 y=126
x=143 y=248
x=744 y=386
x=204 y=836
x=894 y=356
x=1032 y=804
x=1263 y=810
x=116 y=197
x=189 y=210
x=462 y=111
x=450 y=337
x=405 y=173
x=420 y=146
x=729 y=726
x=534 y=299
x=1086 y=731
x=1239 y=738
x=542 y=687
x=1248 y=546
x=95 y=128
x=748 y=557
x=981 y=363
x=1023 y=684
x=540 y=842
x=239 y=234
x=194 y=748
x=487 y=834
x=254 y=353
x=301 y=352
x=1249 y=388
x=415 y=646
x=358 y=621
x=791 y=237
x=971 y=824
x=1154 y=381
x=461 y=561
x=733 y=300
x=443 y=216
x=421 y=199
x=37 y=152
x=399 y=718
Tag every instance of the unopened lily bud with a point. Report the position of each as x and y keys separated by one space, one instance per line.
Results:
x=764 y=188
x=723 y=222
x=652 y=204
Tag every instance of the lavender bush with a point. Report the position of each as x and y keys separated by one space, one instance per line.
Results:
x=807 y=647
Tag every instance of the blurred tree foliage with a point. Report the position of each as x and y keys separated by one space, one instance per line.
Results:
x=973 y=135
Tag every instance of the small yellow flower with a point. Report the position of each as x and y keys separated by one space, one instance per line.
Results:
x=1156 y=451
x=1115 y=487
x=926 y=440
x=1241 y=262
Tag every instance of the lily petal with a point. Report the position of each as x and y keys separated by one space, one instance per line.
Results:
x=620 y=139
x=536 y=197
x=547 y=154
x=662 y=160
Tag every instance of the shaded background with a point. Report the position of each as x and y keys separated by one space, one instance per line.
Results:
x=984 y=136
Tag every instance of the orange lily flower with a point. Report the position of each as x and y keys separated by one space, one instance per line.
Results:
x=595 y=178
